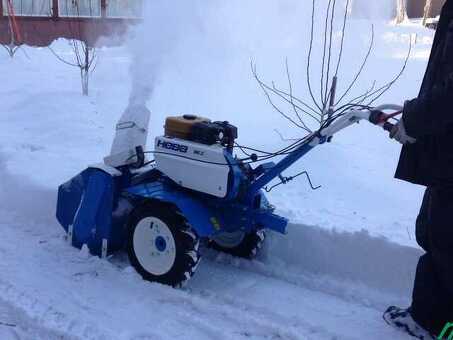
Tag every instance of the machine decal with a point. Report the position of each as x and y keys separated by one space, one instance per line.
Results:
x=172 y=146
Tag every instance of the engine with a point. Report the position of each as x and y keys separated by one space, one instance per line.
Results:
x=195 y=153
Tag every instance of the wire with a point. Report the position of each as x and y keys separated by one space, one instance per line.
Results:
x=267 y=155
x=285 y=151
x=243 y=148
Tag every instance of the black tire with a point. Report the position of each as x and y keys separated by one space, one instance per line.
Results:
x=179 y=240
x=248 y=247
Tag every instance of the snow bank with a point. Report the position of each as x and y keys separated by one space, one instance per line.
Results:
x=356 y=256
x=24 y=199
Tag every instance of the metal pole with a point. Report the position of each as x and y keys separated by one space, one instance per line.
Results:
x=333 y=94
x=55 y=9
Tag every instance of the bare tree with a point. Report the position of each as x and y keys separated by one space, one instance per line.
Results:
x=324 y=103
x=84 y=58
x=427 y=11
x=84 y=55
x=13 y=27
x=401 y=11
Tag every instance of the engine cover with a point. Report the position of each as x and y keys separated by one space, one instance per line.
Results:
x=195 y=166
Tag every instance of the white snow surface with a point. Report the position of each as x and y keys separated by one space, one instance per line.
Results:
x=350 y=251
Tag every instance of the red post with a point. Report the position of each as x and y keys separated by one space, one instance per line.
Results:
x=103 y=8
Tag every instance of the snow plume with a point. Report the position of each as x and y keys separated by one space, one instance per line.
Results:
x=153 y=46
x=153 y=43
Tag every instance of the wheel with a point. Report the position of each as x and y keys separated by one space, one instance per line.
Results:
x=162 y=247
x=239 y=243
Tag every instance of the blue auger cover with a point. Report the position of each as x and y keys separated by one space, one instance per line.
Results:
x=87 y=202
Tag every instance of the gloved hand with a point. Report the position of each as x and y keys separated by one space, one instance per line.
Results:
x=399 y=133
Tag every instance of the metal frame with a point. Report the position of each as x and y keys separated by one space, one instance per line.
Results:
x=101 y=12
x=55 y=13
x=26 y=15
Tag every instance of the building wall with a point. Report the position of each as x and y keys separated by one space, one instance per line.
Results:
x=39 y=22
x=415 y=8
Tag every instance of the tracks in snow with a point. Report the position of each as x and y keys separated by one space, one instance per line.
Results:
x=62 y=291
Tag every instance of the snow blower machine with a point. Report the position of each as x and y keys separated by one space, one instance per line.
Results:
x=195 y=190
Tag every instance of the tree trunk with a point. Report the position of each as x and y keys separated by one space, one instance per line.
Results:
x=11 y=47
x=427 y=11
x=401 y=11
x=84 y=74
x=85 y=71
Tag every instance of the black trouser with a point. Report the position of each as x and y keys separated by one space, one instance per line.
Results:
x=432 y=299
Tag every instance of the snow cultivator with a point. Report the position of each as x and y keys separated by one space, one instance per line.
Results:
x=195 y=190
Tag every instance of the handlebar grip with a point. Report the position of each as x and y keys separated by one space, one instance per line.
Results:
x=388 y=126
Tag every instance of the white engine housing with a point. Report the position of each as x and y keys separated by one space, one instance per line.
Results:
x=195 y=166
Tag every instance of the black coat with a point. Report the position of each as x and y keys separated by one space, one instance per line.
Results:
x=429 y=117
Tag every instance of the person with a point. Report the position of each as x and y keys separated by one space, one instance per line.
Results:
x=426 y=132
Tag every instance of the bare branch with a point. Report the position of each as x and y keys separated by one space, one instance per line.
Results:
x=285 y=97
x=266 y=89
x=60 y=58
x=285 y=139
x=308 y=107
x=357 y=101
x=288 y=75
x=389 y=85
x=326 y=93
x=326 y=27
x=370 y=49
x=310 y=50
x=328 y=109
x=343 y=33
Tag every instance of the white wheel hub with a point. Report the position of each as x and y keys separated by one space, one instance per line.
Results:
x=154 y=246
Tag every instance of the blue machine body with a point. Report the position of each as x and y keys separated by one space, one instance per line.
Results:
x=96 y=204
x=88 y=205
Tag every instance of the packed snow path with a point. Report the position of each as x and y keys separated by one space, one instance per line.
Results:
x=311 y=284
x=64 y=291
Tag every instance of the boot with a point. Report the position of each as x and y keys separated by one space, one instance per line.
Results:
x=402 y=319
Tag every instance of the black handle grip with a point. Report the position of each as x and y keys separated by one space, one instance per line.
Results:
x=388 y=126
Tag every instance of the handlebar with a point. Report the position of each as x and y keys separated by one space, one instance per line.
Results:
x=376 y=116
x=379 y=117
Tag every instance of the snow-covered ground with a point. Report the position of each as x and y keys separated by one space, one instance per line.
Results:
x=350 y=250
